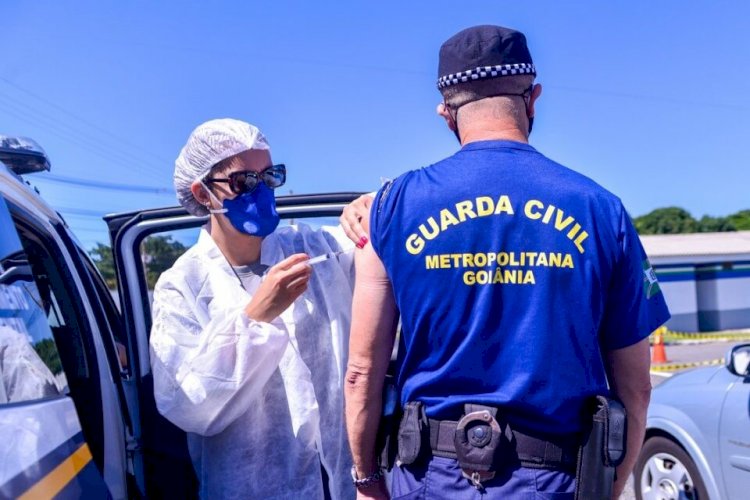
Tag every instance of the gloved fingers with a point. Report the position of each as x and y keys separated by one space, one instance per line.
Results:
x=352 y=220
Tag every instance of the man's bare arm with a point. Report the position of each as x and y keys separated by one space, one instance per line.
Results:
x=629 y=377
x=374 y=318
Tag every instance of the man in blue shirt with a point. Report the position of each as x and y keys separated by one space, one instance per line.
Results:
x=522 y=287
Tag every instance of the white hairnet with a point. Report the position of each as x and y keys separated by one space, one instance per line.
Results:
x=211 y=142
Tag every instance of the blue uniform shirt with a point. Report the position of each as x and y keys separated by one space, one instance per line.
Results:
x=510 y=271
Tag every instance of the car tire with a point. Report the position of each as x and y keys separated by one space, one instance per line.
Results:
x=665 y=470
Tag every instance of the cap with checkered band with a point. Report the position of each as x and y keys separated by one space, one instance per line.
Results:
x=483 y=52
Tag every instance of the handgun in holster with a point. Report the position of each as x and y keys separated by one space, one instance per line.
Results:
x=602 y=449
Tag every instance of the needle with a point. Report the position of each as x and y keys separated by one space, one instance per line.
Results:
x=326 y=256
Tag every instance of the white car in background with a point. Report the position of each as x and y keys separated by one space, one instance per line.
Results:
x=698 y=434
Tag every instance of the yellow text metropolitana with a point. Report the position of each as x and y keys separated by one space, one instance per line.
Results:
x=502 y=259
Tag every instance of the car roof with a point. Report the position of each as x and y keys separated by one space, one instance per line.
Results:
x=18 y=190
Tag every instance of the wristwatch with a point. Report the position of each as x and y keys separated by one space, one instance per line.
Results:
x=366 y=481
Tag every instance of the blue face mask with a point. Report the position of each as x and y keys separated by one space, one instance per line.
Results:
x=252 y=213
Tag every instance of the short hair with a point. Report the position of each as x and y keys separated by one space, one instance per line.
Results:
x=221 y=167
x=459 y=94
x=224 y=165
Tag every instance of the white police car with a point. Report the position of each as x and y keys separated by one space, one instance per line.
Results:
x=77 y=414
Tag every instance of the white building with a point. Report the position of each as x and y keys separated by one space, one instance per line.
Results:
x=705 y=278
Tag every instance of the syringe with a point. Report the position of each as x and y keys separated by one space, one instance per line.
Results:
x=322 y=258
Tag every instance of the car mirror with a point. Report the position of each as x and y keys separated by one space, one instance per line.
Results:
x=15 y=267
x=738 y=360
x=16 y=273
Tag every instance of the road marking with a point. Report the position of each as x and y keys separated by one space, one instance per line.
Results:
x=668 y=367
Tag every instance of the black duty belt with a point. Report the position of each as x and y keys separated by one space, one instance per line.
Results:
x=548 y=452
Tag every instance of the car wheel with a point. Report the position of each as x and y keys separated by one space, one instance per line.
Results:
x=664 y=471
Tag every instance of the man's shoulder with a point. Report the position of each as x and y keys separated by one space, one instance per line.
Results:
x=556 y=176
x=576 y=181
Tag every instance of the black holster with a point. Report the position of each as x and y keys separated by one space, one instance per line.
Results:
x=413 y=431
x=602 y=449
x=386 y=440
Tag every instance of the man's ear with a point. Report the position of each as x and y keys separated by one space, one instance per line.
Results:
x=536 y=91
x=442 y=110
x=200 y=193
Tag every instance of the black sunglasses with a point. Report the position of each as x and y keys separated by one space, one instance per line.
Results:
x=245 y=181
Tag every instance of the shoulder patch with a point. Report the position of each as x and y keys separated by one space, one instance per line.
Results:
x=650 y=283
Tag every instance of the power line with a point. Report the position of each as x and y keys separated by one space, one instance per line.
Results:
x=645 y=97
x=404 y=70
x=81 y=211
x=81 y=119
x=106 y=185
x=81 y=217
x=78 y=224
x=276 y=58
x=74 y=136
x=90 y=231
x=102 y=154
x=67 y=128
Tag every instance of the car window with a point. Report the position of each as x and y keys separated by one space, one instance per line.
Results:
x=29 y=359
x=65 y=306
x=30 y=365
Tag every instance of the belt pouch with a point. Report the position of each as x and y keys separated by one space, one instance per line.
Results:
x=477 y=440
x=602 y=450
x=411 y=432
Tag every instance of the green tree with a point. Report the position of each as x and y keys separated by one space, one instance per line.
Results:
x=740 y=220
x=669 y=220
x=158 y=254
x=47 y=352
x=101 y=254
x=708 y=224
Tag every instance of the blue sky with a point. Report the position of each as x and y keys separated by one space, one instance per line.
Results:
x=650 y=99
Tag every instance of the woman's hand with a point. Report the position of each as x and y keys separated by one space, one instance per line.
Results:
x=283 y=283
x=355 y=220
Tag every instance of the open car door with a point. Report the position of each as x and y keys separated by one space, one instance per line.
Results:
x=60 y=424
x=145 y=244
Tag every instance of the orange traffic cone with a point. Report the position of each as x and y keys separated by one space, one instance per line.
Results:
x=658 y=353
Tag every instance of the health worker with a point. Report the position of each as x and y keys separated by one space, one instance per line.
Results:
x=249 y=343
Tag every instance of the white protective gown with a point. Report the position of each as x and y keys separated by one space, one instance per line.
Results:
x=258 y=400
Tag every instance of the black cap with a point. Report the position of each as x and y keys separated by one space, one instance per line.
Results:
x=483 y=52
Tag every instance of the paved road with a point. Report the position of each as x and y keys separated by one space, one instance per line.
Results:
x=683 y=353
x=689 y=353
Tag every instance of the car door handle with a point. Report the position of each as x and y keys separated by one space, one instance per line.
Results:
x=740 y=462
